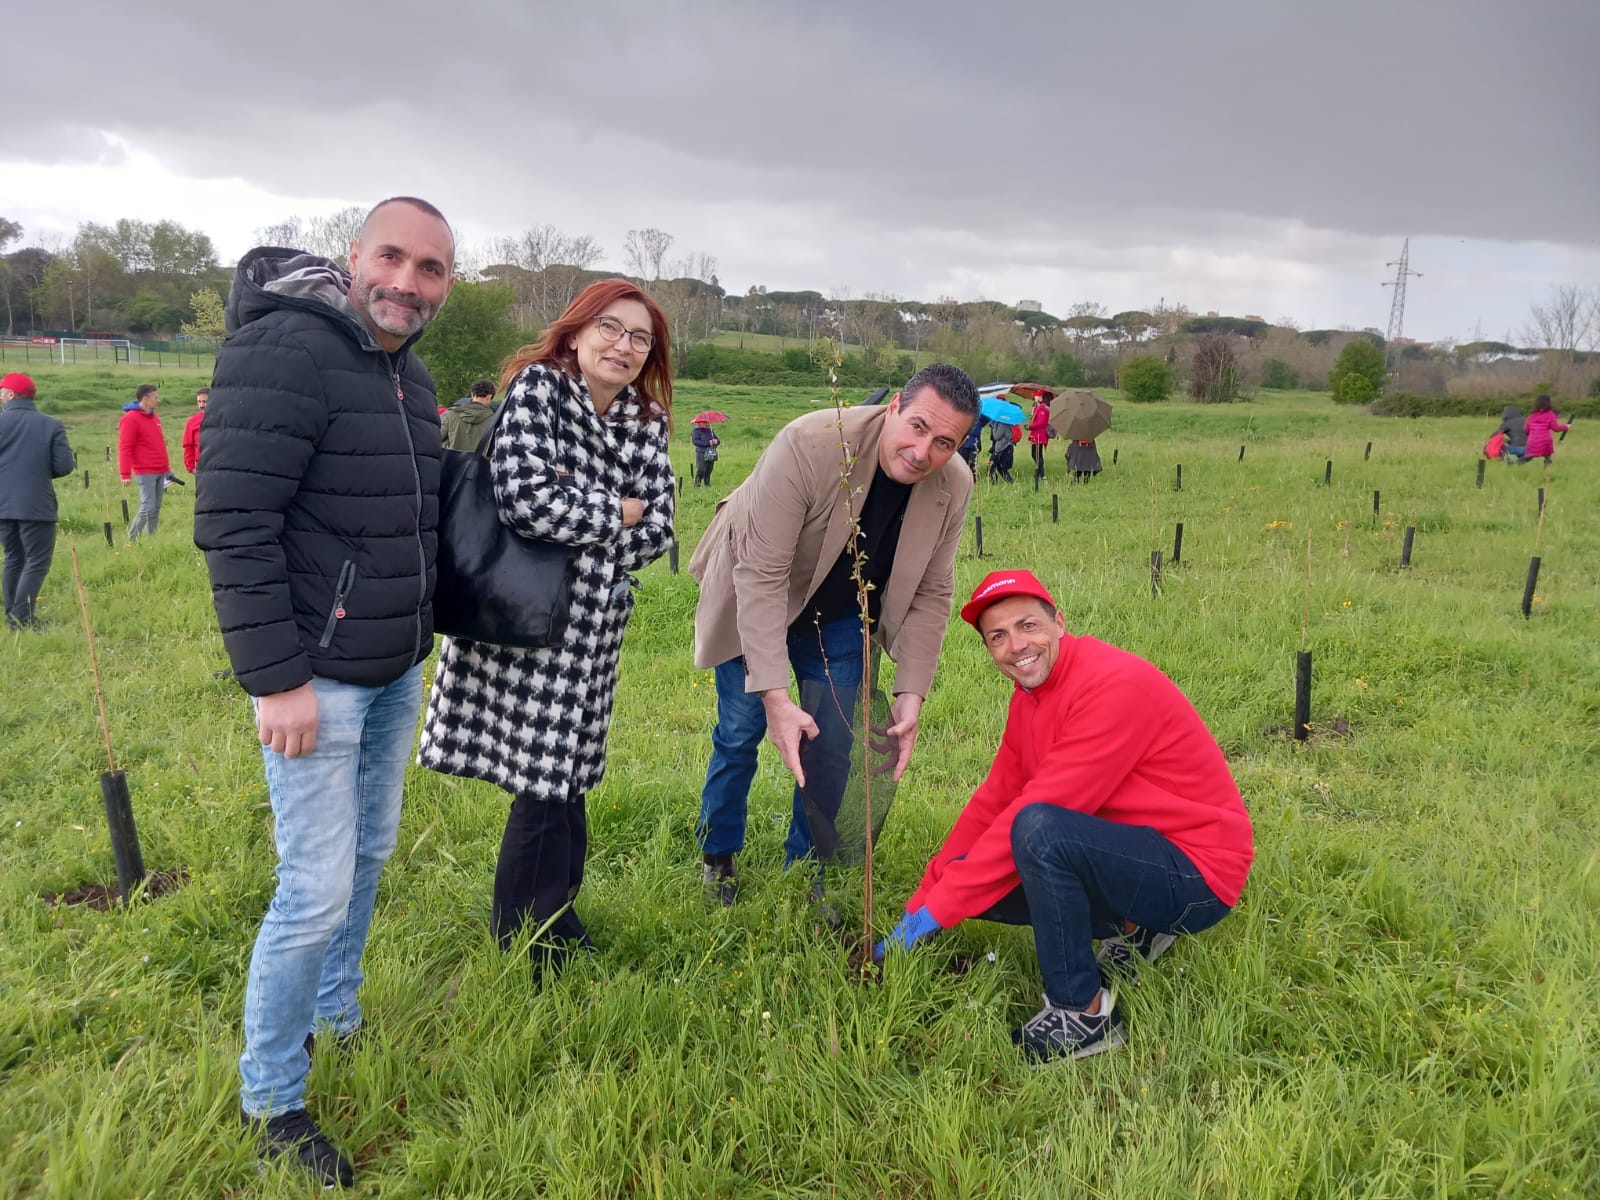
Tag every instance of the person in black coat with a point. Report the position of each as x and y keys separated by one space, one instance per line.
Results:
x=33 y=451
x=317 y=512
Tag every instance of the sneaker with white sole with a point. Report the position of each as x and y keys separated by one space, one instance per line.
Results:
x=1125 y=952
x=1056 y=1033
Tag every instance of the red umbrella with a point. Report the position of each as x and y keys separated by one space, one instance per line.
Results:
x=710 y=417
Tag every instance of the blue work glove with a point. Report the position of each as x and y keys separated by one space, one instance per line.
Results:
x=913 y=927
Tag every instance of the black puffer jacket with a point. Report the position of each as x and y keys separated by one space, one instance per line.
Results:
x=318 y=506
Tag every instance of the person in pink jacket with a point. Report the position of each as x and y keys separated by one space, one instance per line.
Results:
x=1109 y=813
x=1039 y=432
x=1538 y=427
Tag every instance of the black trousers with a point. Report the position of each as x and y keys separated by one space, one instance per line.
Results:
x=29 y=547
x=540 y=870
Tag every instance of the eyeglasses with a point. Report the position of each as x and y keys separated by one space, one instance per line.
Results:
x=611 y=329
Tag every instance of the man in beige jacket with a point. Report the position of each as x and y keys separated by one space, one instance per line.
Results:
x=776 y=587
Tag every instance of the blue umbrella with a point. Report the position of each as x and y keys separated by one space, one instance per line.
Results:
x=1002 y=412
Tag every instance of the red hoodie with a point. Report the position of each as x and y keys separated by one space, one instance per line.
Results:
x=141 y=446
x=1108 y=734
x=191 y=441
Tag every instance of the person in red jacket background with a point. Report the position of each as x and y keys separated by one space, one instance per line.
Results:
x=142 y=456
x=191 y=431
x=1109 y=813
x=1039 y=432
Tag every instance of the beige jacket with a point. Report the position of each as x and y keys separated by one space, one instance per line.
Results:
x=774 y=539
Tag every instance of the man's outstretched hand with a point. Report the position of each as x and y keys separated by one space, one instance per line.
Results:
x=787 y=723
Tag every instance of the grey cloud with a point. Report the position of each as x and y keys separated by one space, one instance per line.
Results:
x=1061 y=138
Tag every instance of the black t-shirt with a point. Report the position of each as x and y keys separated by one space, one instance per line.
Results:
x=880 y=516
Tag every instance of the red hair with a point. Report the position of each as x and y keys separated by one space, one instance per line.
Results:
x=654 y=383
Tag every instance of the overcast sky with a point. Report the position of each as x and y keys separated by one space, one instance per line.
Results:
x=1247 y=156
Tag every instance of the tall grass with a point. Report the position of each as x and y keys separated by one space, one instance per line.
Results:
x=1402 y=1005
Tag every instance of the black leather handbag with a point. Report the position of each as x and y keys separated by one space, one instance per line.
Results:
x=493 y=584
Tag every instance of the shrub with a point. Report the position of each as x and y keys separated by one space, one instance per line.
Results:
x=1146 y=378
x=1065 y=371
x=1353 y=388
x=1363 y=359
x=1214 y=371
x=1279 y=375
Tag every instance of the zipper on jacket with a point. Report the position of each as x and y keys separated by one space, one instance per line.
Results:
x=341 y=590
x=416 y=479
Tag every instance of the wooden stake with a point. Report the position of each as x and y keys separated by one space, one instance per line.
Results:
x=94 y=659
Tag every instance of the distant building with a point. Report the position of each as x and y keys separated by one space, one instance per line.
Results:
x=1029 y=306
x=1254 y=317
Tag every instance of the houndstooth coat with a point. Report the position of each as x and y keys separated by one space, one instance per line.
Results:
x=535 y=721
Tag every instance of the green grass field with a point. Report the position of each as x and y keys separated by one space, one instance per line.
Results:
x=1403 y=1005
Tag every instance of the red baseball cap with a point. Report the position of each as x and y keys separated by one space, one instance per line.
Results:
x=997 y=585
x=19 y=383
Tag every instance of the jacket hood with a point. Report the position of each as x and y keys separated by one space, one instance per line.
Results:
x=1510 y=413
x=269 y=278
x=131 y=405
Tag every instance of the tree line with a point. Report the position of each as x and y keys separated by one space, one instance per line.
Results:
x=140 y=277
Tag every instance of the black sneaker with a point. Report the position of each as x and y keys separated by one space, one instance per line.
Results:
x=1055 y=1033
x=720 y=877
x=295 y=1136
x=1124 y=952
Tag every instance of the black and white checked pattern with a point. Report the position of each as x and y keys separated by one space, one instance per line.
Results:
x=535 y=721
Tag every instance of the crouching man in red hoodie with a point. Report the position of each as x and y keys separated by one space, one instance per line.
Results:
x=1109 y=813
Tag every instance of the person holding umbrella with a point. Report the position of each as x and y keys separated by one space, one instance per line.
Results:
x=1080 y=417
x=705 y=446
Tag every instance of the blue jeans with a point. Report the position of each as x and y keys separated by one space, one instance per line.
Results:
x=337 y=811
x=1081 y=876
x=834 y=657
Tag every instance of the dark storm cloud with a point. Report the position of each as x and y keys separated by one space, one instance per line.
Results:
x=1265 y=154
x=1471 y=119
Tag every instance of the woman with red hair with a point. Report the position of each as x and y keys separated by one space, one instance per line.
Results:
x=579 y=458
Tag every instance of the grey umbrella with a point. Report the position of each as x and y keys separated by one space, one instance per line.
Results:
x=1080 y=416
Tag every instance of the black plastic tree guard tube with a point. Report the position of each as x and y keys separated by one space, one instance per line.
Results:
x=1302 y=695
x=1527 y=589
x=124 y=837
x=1405 y=547
x=1177 y=544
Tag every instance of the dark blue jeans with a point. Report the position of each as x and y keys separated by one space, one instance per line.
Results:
x=1081 y=876
x=831 y=654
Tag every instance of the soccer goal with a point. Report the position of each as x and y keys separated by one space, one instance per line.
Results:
x=73 y=350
